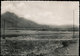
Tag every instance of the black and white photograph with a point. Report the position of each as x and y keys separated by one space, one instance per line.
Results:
x=39 y=28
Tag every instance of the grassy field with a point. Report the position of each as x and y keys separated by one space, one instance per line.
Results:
x=19 y=34
x=40 y=47
x=39 y=43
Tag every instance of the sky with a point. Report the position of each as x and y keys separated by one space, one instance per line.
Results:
x=44 y=12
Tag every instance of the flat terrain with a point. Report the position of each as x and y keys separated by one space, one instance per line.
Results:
x=40 y=43
x=28 y=34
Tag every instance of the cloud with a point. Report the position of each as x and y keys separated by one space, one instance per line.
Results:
x=58 y=13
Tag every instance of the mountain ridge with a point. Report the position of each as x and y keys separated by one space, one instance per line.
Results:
x=15 y=21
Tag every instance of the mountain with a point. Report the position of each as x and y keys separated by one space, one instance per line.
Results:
x=12 y=21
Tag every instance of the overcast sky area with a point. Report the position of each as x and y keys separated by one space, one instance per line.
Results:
x=44 y=12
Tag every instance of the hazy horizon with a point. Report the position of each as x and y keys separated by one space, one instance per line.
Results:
x=48 y=13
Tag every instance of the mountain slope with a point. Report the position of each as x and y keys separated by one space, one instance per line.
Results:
x=15 y=21
x=11 y=20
